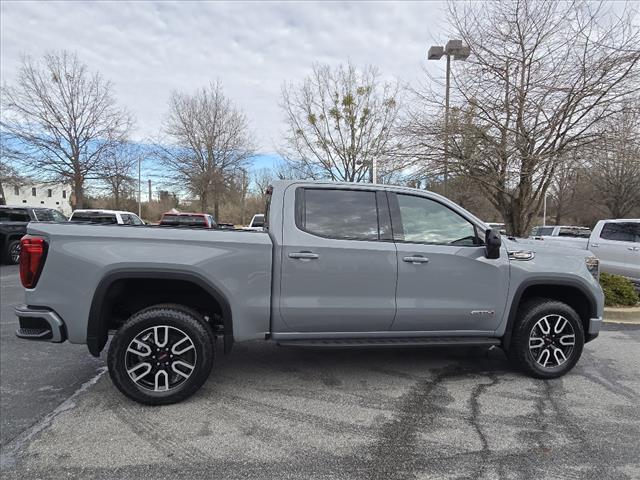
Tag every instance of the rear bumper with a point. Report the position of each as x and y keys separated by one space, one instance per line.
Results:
x=594 y=328
x=40 y=324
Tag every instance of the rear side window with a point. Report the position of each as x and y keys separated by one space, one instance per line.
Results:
x=184 y=221
x=43 y=215
x=621 y=232
x=340 y=214
x=94 y=217
x=574 y=232
x=258 y=221
x=540 y=231
x=14 y=215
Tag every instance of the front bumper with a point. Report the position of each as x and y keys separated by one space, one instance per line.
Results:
x=594 y=328
x=41 y=324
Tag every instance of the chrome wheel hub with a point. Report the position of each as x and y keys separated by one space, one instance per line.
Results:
x=14 y=253
x=160 y=358
x=551 y=341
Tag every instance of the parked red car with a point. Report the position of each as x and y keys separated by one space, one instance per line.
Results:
x=184 y=219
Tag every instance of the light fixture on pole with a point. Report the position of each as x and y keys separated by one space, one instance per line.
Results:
x=455 y=49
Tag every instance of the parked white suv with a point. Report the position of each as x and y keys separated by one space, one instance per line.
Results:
x=118 y=217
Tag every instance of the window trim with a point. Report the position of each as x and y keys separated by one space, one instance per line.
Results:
x=300 y=211
x=396 y=221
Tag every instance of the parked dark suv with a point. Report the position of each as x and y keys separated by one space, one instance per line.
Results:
x=13 y=225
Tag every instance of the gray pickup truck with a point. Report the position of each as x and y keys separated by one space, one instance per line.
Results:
x=337 y=265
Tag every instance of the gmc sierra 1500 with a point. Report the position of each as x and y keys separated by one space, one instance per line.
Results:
x=337 y=265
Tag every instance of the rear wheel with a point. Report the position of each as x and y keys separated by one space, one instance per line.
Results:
x=12 y=252
x=161 y=355
x=547 y=339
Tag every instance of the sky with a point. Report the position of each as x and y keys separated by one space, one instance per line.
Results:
x=149 y=49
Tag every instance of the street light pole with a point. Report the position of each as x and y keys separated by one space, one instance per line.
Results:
x=446 y=124
x=139 y=189
x=459 y=51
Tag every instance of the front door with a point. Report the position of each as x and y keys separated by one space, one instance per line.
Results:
x=445 y=282
x=338 y=262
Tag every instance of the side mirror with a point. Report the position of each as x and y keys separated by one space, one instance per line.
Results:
x=492 y=242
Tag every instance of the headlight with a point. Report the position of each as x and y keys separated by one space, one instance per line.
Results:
x=593 y=265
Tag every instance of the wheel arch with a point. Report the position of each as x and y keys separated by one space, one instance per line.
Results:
x=571 y=292
x=98 y=321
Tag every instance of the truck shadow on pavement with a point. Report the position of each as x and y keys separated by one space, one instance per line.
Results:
x=269 y=412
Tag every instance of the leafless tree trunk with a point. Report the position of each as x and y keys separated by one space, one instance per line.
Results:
x=210 y=143
x=64 y=118
x=339 y=122
x=541 y=79
x=118 y=170
x=615 y=166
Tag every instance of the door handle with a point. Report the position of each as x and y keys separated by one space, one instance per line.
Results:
x=304 y=255
x=415 y=260
x=634 y=249
x=595 y=244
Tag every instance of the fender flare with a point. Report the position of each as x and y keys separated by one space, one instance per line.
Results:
x=544 y=282
x=97 y=331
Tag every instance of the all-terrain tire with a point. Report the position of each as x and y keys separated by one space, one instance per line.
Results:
x=177 y=321
x=527 y=332
x=9 y=252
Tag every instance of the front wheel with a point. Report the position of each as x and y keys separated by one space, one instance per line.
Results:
x=160 y=356
x=547 y=339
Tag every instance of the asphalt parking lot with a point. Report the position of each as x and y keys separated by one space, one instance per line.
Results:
x=274 y=413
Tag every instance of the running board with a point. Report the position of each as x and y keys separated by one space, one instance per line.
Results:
x=392 y=342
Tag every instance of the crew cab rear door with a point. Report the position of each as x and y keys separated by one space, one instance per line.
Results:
x=338 y=261
x=618 y=248
x=445 y=282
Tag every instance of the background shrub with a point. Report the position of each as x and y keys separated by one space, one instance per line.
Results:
x=618 y=291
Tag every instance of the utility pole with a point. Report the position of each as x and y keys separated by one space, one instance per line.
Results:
x=139 y=189
x=149 y=190
x=459 y=52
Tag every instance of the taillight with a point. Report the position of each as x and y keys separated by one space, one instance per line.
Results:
x=33 y=251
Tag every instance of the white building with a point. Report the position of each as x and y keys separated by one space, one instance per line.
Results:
x=47 y=195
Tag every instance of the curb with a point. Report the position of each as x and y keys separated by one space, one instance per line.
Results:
x=622 y=315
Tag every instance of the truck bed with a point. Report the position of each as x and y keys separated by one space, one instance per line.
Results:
x=237 y=263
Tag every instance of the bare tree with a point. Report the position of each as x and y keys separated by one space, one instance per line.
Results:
x=64 y=119
x=9 y=176
x=339 y=122
x=118 y=170
x=615 y=166
x=211 y=143
x=541 y=79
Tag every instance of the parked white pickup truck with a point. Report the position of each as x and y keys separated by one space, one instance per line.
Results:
x=615 y=242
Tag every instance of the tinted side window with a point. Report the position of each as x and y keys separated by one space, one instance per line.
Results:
x=427 y=221
x=57 y=216
x=540 y=231
x=574 y=232
x=621 y=232
x=43 y=215
x=14 y=215
x=94 y=217
x=341 y=214
x=126 y=219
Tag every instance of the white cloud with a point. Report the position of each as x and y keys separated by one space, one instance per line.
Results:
x=149 y=49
